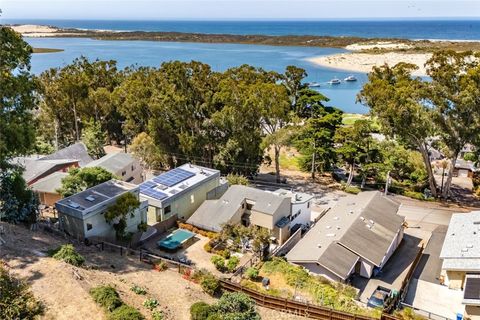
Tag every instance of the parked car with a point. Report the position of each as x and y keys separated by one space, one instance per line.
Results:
x=378 y=297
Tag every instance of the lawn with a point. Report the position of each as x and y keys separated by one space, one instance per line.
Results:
x=350 y=118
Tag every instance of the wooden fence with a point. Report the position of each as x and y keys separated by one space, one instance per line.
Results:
x=296 y=307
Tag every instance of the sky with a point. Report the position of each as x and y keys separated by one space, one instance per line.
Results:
x=237 y=9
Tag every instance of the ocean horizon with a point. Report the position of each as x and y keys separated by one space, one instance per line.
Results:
x=414 y=29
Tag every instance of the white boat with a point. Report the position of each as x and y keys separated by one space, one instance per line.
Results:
x=314 y=84
x=334 y=81
x=350 y=78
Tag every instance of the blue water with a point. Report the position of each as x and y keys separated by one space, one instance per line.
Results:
x=223 y=56
x=219 y=56
x=408 y=29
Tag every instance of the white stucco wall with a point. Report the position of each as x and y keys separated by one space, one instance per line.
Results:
x=305 y=210
x=366 y=268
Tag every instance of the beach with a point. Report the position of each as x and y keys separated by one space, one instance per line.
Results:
x=364 y=62
x=38 y=31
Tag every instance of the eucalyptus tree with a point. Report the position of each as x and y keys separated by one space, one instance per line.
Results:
x=454 y=93
x=398 y=101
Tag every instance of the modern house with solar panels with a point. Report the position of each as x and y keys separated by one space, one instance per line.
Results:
x=461 y=259
x=82 y=215
x=176 y=194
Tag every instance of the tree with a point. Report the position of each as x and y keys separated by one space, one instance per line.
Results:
x=16 y=299
x=454 y=93
x=94 y=139
x=396 y=99
x=236 y=306
x=117 y=214
x=18 y=203
x=17 y=89
x=355 y=145
x=144 y=149
x=293 y=82
x=234 y=179
x=80 y=179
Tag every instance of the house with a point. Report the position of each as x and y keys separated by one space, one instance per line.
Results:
x=463 y=168
x=82 y=215
x=357 y=236
x=461 y=259
x=177 y=193
x=122 y=165
x=76 y=151
x=248 y=206
x=301 y=206
x=35 y=169
x=47 y=187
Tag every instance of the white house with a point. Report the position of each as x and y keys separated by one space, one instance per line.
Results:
x=357 y=236
x=82 y=215
x=301 y=206
x=179 y=192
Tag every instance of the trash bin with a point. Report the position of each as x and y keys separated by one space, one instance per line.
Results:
x=459 y=316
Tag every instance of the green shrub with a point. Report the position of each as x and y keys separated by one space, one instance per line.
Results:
x=414 y=195
x=107 y=297
x=209 y=283
x=232 y=263
x=252 y=273
x=138 y=290
x=157 y=315
x=236 y=305
x=207 y=247
x=352 y=189
x=224 y=253
x=200 y=311
x=150 y=303
x=68 y=254
x=219 y=263
x=16 y=299
x=125 y=312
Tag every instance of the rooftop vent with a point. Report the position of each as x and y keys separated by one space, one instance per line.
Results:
x=337 y=227
x=362 y=218
x=464 y=249
x=335 y=218
x=330 y=234
x=371 y=221
x=368 y=226
x=319 y=245
x=73 y=204
x=90 y=198
x=351 y=211
x=329 y=227
x=469 y=245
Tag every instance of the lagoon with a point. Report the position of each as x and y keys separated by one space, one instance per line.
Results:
x=219 y=56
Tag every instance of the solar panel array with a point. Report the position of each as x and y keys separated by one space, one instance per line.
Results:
x=148 y=188
x=173 y=177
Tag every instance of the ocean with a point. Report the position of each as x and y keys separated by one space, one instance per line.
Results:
x=224 y=56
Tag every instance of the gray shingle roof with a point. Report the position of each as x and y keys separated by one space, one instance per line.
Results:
x=348 y=225
x=50 y=183
x=213 y=213
x=35 y=168
x=113 y=162
x=339 y=260
x=75 y=151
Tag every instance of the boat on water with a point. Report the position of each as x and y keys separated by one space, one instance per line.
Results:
x=334 y=81
x=314 y=84
x=350 y=78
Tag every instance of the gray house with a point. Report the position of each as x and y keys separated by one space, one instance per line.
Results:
x=358 y=235
x=82 y=215
x=248 y=206
x=122 y=165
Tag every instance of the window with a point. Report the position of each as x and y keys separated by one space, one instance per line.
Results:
x=308 y=204
x=192 y=198
x=124 y=173
x=89 y=226
x=167 y=210
x=133 y=168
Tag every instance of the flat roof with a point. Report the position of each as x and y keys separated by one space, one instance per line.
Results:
x=461 y=248
x=173 y=183
x=296 y=197
x=85 y=200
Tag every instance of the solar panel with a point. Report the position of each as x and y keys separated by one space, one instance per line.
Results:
x=173 y=177
x=154 y=193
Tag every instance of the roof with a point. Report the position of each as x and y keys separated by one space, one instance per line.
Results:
x=113 y=162
x=50 y=183
x=75 y=151
x=296 y=197
x=35 y=168
x=461 y=248
x=172 y=184
x=364 y=225
x=463 y=164
x=213 y=213
x=84 y=202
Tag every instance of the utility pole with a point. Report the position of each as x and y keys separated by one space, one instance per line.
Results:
x=387 y=182
x=76 y=122
x=313 y=160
